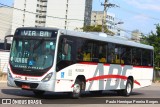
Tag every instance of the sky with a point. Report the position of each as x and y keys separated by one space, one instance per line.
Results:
x=135 y=14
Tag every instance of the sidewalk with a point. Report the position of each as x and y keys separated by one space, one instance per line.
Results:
x=156 y=84
x=3 y=77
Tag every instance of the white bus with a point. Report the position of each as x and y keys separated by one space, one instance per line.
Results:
x=57 y=60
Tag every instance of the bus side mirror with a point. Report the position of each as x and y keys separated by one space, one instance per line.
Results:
x=65 y=49
x=5 y=41
x=5 y=44
x=65 y=46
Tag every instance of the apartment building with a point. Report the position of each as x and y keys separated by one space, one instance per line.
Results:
x=5 y=21
x=97 y=17
x=65 y=14
x=136 y=35
x=111 y=22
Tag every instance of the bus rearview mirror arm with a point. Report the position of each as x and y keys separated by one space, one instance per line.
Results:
x=5 y=41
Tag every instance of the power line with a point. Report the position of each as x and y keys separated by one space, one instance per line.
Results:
x=38 y=14
x=129 y=11
x=137 y=13
x=45 y=15
x=58 y=17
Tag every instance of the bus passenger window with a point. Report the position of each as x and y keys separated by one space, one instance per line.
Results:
x=102 y=54
x=87 y=51
x=125 y=55
x=146 y=57
x=111 y=58
x=86 y=57
x=79 y=54
x=136 y=59
x=111 y=53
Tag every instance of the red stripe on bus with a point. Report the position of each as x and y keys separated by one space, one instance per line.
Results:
x=110 y=76
x=94 y=63
x=89 y=63
x=136 y=82
x=142 y=67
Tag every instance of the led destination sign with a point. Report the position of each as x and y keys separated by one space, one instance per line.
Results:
x=33 y=32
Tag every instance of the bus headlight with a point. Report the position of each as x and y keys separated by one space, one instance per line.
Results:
x=47 y=77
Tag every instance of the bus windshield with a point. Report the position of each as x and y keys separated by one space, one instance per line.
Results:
x=33 y=54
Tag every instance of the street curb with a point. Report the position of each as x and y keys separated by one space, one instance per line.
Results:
x=156 y=82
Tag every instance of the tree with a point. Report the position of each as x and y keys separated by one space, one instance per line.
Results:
x=97 y=28
x=153 y=39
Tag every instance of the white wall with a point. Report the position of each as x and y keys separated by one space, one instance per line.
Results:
x=56 y=10
x=5 y=21
x=76 y=9
x=29 y=19
x=17 y=15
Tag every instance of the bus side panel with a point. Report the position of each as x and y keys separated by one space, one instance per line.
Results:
x=100 y=79
x=102 y=76
x=66 y=77
x=106 y=77
x=143 y=76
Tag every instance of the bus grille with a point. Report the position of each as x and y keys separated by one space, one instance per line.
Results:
x=32 y=85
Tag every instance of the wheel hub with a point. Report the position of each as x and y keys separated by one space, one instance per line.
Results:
x=76 y=88
x=129 y=88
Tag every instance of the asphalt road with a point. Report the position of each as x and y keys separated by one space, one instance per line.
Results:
x=87 y=99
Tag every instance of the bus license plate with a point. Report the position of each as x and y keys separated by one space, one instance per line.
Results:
x=26 y=86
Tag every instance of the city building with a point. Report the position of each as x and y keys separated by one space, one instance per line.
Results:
x=66 y=14
x=112 y=23
x=136 y=35
x=5 y=21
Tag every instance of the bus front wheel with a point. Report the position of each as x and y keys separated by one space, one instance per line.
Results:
x=76 y=89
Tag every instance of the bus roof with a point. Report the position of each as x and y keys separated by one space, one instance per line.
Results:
x=95 y=36
x=111 y=39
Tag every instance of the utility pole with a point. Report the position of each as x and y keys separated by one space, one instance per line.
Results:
x=104 y=15
x=106 y=5
x=66 y=16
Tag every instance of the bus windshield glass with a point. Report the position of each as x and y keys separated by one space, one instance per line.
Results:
x=33 y=54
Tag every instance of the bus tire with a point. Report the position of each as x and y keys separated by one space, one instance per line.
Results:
x=128 y=89
x=38 y=93
x=77 y=88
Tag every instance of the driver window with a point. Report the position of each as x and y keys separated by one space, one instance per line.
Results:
x=64 y=50
x=64 y=57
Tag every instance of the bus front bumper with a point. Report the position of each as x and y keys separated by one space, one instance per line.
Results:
x=31 y=85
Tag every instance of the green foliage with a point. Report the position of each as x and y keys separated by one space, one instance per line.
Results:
x=154 y=40
x=97 y=28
